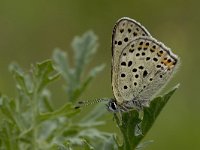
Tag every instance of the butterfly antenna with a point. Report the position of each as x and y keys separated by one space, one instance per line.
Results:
x=86 y=103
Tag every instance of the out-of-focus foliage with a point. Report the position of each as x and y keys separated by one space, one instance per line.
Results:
x=29 y=121
x=83 y=48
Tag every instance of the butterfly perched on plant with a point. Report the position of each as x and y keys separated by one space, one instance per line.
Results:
x=141 y=66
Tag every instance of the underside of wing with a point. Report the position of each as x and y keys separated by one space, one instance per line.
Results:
x=125 y=30
x=144 y=67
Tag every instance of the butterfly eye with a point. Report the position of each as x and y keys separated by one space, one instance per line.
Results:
x=112 y=106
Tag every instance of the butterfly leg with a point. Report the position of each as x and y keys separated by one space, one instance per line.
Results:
x=138 y=129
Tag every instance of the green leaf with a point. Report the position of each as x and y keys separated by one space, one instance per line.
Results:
x=44 y=75
x=23 y=81
x=62 y=65
x=134 y=129
x=91 y=119
x=61 y=61
x=8 y=137
x=29 y=121
x=87 y=146
x=110 y=144
x=6 y=108
x=79 y=90
x=84 y=47
x=46 y=103
x=91 y=133
x=144 y=144
x=67 y=110
x=8 y=112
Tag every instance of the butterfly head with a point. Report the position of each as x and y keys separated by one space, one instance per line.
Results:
x=112 y=106
x=126 y=106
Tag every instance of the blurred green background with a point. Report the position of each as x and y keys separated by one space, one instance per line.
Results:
x=30 y=30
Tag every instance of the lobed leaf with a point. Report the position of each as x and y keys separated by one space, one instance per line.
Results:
x=67 y=110
x=43 y=74
x=134 y=129
x=84 y=47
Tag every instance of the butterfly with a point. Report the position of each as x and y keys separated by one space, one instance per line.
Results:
x=141 y=66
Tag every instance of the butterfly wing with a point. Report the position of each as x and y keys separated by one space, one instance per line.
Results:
x=144 y=67
x=124 y=31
